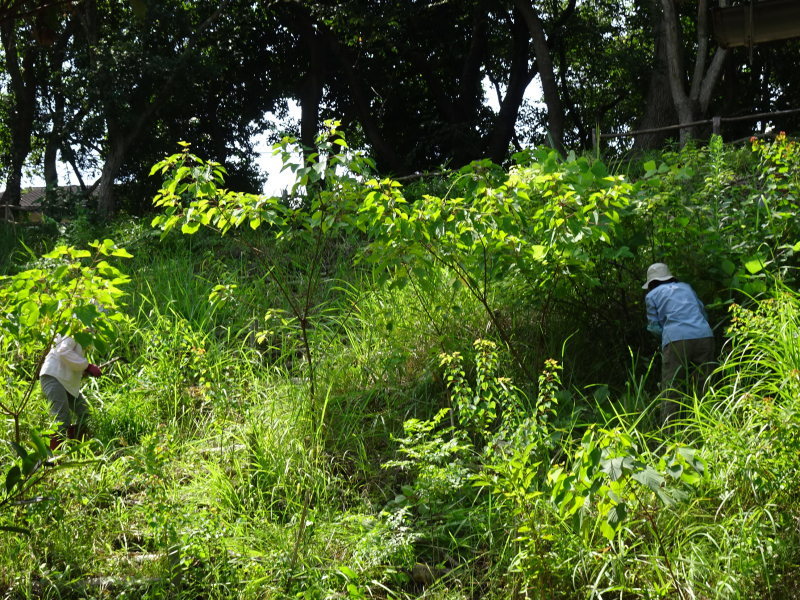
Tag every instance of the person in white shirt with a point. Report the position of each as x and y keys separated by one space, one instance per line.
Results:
x=60 y=378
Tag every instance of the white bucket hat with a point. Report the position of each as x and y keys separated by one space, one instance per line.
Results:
x=657 y=272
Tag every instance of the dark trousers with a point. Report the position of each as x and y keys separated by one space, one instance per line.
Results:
x=62 y=403
x=685 y=366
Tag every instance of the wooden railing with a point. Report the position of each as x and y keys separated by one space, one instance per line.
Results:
x=715 y=122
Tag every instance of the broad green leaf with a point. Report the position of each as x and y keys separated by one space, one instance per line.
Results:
x=29 y=464
x=754 y=287
x=190 y=228
x=86 y=314
x=12 y=478
x=607 y=530
x=100 y=345
x=754 y=264
x=690 y=478
x=665 y=497
x=355 y=593
x=649 y=477
x=84 y=339
x=675 y=470
x=122 y=253
x=538 y=252
x=19 y=449
x=594 y=457
x=690 y=456
x=617 y=515
x=613 y=467
x=728 y=267
x=599 y=169
x=29 y=314
x=42 y=450
x=60 y=271
x=57 y=252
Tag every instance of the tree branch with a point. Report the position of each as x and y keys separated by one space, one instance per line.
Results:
x=555 y=111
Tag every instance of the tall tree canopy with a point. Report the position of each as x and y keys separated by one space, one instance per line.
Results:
x=114 y=84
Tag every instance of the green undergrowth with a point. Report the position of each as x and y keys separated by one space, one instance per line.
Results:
x=419 y=452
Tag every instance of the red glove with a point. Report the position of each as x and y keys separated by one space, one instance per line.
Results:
x=93 y=370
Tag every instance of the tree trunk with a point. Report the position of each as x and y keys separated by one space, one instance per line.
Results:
x=121 y=137
x=385 y=156
x=470 y=84
x=521 y=76
x=310 y=92
x=572 y=112
x=675 y=68
x=119 y=140
x=106 y=202
x=50 y=168
x=659 y=107
x=23 y=87
x=692 y=104
x=54 y=90
x=555 y=110
x=458 y=112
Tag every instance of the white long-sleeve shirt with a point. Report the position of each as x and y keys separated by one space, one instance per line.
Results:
x=66 y=362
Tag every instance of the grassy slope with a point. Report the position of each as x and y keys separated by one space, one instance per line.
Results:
x=212 y=475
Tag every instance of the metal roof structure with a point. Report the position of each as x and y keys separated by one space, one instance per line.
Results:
x=756 y=22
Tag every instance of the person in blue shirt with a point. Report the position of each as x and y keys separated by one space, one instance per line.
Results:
x=678 y=317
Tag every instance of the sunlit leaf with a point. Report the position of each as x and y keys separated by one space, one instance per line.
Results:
x=29 y=314
x=754 y=264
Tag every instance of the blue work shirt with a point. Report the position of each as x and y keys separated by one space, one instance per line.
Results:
x=675 y=310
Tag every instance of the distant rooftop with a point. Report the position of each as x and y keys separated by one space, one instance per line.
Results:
x=32 y=197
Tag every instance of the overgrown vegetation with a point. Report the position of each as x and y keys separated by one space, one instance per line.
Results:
x=348 y=393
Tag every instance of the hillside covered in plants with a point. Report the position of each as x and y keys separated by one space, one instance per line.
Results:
x=439 y=388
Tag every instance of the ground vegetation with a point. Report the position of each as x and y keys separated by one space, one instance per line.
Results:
x=443 y=389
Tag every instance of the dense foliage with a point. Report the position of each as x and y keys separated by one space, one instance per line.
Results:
x=97 y=88
x=438 y=390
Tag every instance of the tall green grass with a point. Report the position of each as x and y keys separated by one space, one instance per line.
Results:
x=735 y=536
x=20 y=244
x=208 y=478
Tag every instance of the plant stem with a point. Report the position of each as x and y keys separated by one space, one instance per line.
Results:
x=660 y=541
